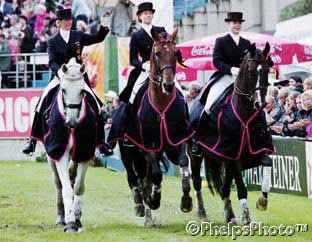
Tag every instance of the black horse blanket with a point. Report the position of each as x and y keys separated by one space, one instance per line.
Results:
x=55 y=136
x=225 y=134
x=150 y=129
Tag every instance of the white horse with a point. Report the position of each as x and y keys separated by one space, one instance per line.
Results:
x=69 y=174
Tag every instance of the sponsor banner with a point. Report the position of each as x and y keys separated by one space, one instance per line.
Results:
x=309 y=167
x=93 y=58
x=123 y=61
x=289 y=173
x=17 y=112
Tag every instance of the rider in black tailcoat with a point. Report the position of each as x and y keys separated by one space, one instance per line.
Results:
x=62 y=47
x=228 y=54
x=141 y=44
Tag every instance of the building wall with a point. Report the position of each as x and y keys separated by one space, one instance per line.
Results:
x=260 y=15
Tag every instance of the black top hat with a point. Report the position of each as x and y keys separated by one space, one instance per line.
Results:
x=145 y=6
x=62 y=13
x=234 y=16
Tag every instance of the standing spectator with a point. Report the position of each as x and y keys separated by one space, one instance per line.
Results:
x=39 y=24
x=5 y=62
x=31 y=18
x=26 y=36
x=16 y=9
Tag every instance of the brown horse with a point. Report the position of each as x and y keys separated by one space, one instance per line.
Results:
x=163 y=110
x=242 y=107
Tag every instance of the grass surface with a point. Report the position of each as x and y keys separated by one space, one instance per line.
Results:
x=27 y=209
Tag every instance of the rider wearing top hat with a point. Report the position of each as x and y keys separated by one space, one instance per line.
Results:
x=228 y=54
x=141 y=44
x=62 y=47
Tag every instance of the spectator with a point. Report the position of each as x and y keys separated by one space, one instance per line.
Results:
x=25 y=35
x=39 y=23
x=273 y=112
x=272 y=91
x=30 y=14
x=5 y=62
x=296 y=83
x=81 y=26
x=16 y=9
x=307 y=85
x=281 y=98
x=194 y=91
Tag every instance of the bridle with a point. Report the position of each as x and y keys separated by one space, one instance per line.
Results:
x=250 y=94
x=157 y=77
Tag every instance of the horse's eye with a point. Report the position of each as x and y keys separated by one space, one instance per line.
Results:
x=157 y=53
x=63 y=91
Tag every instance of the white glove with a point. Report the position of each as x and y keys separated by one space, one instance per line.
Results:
x=146 y=66
x=105 y=20
x=234 y=71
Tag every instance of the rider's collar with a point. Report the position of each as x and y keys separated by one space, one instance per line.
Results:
x=65 y=34
x=147 y=28
x=235 y=37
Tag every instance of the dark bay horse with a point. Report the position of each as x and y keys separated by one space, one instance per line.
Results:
x=234 y=134
x=158 y=124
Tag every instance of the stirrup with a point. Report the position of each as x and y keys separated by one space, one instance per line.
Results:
x=127 y=142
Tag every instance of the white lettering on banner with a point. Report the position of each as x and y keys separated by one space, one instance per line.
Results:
x=181 y=76
x=285 y=173
x=9 y=114
x=16 y=114
x=2 y=127
x=21 y=121
x=201 y=51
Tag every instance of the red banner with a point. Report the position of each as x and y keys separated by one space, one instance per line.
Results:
x=17 y=112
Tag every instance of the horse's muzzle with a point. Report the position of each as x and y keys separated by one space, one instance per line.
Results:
x=71 y=123
x=168 y=87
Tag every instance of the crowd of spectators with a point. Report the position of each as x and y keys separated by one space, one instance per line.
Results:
x=27 y=25
x=289 y=108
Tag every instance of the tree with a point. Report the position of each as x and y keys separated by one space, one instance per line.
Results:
x=299 y=8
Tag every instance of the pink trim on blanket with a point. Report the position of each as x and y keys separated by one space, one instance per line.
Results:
x=245 y=132
x=162 y=125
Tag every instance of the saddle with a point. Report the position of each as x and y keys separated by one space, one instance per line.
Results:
x=205 y=91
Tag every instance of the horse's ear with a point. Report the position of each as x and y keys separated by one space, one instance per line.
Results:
x=82 y=69
x=266 y=50
x=154 y=34
x=174 y=34
x=252 y=49
x=64 y=68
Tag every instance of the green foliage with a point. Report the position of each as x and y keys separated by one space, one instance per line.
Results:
x=299 y=8
x=42 y=157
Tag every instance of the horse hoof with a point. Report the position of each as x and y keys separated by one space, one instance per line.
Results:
x=262 y=204
x=154 y=201
x=139 y=210
x=71 y=227
x=186 y=204
x=79 y=225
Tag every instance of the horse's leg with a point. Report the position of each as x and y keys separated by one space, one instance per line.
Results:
x=156 y=178
x=147 y=190
x=177 y=155
x=60 y=214
x=79 y=188
x=241 y=192
x=72 y=172
x=262 y=202
x=225 y=192
x=132 y=178
x=62 y=167
x=196 y=162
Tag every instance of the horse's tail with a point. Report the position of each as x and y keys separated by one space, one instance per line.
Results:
x=214 y=171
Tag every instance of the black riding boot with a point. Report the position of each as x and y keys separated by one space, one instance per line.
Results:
x=126 y=141
x=29 y=147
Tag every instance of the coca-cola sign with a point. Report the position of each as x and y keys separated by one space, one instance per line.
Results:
x=202 y=50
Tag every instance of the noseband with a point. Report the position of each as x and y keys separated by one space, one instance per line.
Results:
x=249 y=95
x=157 y=77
